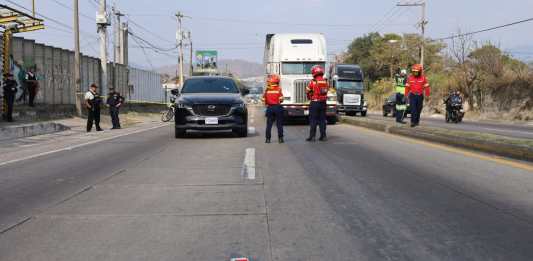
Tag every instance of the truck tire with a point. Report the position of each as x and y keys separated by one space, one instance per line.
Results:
x=363 y=114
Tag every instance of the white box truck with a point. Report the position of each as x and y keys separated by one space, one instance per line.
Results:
x=291 y=56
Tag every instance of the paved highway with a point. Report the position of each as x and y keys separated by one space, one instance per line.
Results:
x=521 y=131
x=363 y=195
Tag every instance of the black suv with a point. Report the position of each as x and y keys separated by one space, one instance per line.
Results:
x=211 y=103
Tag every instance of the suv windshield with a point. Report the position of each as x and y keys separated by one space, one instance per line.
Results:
x=210 y=85
x=299 y=68
x=350 y=85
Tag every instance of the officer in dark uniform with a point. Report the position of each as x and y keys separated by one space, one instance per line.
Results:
x=115 y=101
x=92 y=103
x=273 y=97
x=10 y=90
x=317 y=92
x=33 y=86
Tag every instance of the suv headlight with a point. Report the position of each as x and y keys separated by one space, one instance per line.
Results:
x=239 y=105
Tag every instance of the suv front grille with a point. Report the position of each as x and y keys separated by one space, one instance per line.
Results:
x=299 y=90
x=211 y=109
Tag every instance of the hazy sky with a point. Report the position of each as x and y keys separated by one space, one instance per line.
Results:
x=237 y=27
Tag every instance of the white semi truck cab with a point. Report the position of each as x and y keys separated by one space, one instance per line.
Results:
x=291 y=56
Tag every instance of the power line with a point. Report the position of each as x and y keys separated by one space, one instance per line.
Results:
x=49 y=18
x=70 y=8
x=384 y=18
x=152 y=45
x=145 y=54
x=147 y=30
x=484 y=30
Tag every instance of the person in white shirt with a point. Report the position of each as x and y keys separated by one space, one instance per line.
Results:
x=92 y=103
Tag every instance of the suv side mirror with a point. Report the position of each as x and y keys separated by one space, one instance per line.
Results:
x=245 y=92
x=175 y=92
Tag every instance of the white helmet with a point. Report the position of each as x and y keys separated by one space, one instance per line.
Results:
x=403 y=71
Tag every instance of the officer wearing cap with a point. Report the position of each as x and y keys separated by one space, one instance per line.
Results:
x=92 y=103
x=10 y=90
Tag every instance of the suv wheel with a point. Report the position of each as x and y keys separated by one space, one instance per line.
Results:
x=241 y=132
x=179 y=133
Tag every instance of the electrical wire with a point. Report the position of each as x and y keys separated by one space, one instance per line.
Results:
x=384 y=18
x=50 y=19
x=72 y=9
x=145 y=54
x=147 y=30
x=484 y=30
x=152 y=45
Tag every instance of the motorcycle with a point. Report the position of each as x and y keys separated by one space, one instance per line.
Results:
x=454 y=109
x=168 y=115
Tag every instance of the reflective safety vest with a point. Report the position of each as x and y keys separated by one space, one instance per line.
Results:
x=400 y=83
x=318 y=90
x=273 y=95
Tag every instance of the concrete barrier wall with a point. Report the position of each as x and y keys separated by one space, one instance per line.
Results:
x=54 y=70
x=145 y=86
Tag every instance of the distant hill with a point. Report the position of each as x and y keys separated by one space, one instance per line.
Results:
x=241 y=68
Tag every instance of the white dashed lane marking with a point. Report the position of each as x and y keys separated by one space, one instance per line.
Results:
x=248 y=166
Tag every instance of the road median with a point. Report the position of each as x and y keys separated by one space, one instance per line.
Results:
x=521 y=149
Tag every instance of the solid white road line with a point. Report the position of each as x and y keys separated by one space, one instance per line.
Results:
x=248 y=166
x=79 y=145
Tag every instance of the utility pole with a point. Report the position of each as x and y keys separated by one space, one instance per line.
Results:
x=179 y=38
x=191 y=67
x=102 y=23
x=117 y=39
x=124 y=45
x=180 y=35
x=77 y=64
x=422 y=25
x=33 y=7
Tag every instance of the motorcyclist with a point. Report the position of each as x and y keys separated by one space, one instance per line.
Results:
x=454 y=97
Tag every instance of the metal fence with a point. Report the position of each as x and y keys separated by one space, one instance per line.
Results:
x=54 y=70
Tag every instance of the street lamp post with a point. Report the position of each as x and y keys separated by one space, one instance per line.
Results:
x=391 y=43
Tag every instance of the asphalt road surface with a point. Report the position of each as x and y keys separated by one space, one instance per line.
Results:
x=521 y=131
x=363 y=195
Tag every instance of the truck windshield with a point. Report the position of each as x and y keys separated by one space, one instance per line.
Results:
x=350 y=85
x=299 y=68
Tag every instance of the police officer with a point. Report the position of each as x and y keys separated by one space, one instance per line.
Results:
x=273 y=97
x=10 y=90
x=92 y=103
x=317 y=93
x=33 y=86
x=401 y=80
x=115 y=101
x=417 y=86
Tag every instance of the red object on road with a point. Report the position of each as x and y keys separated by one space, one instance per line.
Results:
x=240 y=259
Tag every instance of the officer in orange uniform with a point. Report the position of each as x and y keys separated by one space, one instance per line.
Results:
x=317 y=93
x=417 y=86
x=273 y=97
